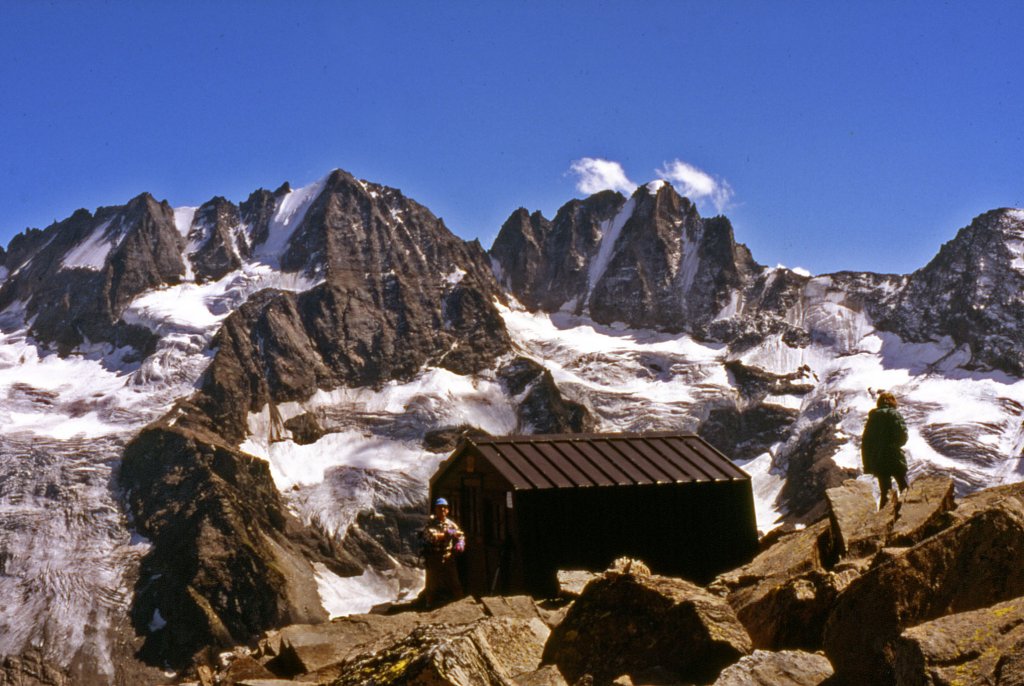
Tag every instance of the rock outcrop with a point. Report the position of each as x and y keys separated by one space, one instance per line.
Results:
x=490 y=652
x=628 y=622
x=970 y=565
x=496 y=640
x=929 y=595
x=983 y=646
x=545 y=263
x=650 y=262
x=411 y=295
x=542 y=408
x=785 y=596
x=228 y=559
x=219 y=240
x=785 y=668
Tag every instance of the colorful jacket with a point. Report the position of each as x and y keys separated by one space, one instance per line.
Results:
x=451 y=539
x=881 y=444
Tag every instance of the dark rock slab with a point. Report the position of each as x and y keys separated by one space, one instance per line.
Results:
x=215 y=231
x=811 y=471
x=784 y=596
x=924 y=510
x=545 y=264
x=858 y=528
x=228 y=560
x=542 y=408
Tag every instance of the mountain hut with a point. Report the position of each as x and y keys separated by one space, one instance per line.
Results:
x=531 y=505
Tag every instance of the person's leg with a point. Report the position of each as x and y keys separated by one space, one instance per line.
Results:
x=884 y=484
x=453 y=584
x=901 y=487
x=901 y=481
x=434 y=580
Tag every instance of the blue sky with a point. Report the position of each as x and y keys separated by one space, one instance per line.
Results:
x=834 y=135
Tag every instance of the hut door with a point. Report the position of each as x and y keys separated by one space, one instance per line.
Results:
x=475 y=558
x=496 y=542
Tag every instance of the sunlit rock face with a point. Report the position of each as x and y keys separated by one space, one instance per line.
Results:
x=973 y=292
x=308 y=355
x=649 y=261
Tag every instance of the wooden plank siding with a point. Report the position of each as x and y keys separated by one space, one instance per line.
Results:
x=531 y=505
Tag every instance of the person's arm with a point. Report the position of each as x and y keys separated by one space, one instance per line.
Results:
x=901 y=430
x=869 y=443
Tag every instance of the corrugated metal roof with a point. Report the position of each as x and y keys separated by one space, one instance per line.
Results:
x=580 y=460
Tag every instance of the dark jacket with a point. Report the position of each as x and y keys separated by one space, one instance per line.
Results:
x=880 y=447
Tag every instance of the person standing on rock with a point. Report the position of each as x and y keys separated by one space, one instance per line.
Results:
x=881 y=447
x=442 y=541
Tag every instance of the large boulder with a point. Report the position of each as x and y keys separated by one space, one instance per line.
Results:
x=859 y=529
x=630 y=622
x=780 y=596
x=785 y=668
x=924 y=510
x=548 y=675
x=972 y=504
x=321 y=653
x=978 y=647
x=971 y=565
x=490 y=652
x=307 y=648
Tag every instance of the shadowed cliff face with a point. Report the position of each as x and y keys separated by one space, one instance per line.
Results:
x=545 y=263
x=228 y=560
x=216 y=231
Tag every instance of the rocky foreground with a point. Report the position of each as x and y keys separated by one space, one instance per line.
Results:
x=930 y=594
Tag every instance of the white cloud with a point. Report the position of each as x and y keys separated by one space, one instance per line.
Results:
x=597 y=175
x=696 y=184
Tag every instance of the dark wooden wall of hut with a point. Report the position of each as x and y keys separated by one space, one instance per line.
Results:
x=694 y=530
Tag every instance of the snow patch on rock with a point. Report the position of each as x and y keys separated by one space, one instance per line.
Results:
x=92 y=252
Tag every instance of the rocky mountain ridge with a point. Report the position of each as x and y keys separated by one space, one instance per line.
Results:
x=323 y=346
